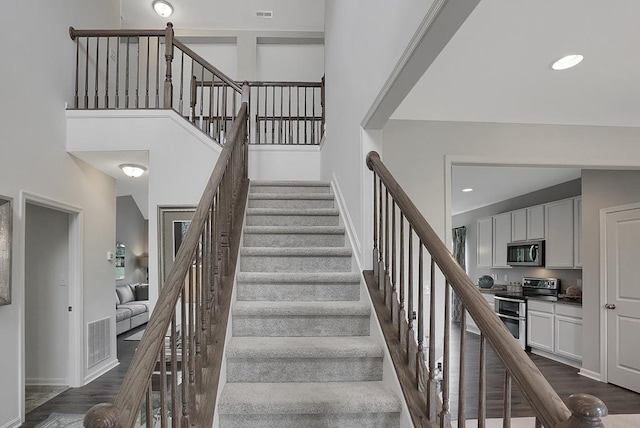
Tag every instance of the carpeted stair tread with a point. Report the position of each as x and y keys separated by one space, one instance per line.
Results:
x=298 y=277
x=319 y=230
x=301 y=196
x=296 y=251
x=293 y=211
x=290 y=183
x=303 y=347
x=306 y=398
x=278 y=308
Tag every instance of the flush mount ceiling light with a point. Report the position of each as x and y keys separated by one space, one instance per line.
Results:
x=567 y=62
x=468 y=189
x=162 y=8
x=132 y=170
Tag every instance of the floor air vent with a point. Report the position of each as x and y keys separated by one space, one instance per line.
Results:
x=98 y=341
x=264 y=14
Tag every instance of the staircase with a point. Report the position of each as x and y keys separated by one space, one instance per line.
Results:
x=300 y=354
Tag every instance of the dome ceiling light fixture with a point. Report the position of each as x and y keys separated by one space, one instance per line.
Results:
x=567 y=61
x=132 y=170
x=162 y=8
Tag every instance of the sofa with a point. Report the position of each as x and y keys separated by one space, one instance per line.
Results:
x=132 y=306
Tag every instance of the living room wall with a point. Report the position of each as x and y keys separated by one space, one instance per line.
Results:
x=37 y=82
x=132 y=231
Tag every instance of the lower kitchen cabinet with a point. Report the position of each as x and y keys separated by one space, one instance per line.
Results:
x=554 y=330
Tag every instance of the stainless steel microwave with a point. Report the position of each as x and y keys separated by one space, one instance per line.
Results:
x=527 y=253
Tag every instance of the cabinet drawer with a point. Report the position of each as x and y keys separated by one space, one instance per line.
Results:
x=569 y=310
x=536 y=305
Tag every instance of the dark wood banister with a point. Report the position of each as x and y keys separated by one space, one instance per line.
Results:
x=548 y=406
x=132 y=392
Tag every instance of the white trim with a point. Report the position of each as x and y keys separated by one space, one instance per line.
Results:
x=134 y=114
x=283 y=148
x=96 y=374
x=46 y=381
x=12 y=424
x=348 y=223
x=76 y=242
x=590 y=374
x=604 y=377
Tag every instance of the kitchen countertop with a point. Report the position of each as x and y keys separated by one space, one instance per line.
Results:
x=503 y=289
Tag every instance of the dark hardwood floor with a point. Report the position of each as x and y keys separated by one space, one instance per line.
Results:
x=564 y=379
x=101 y=390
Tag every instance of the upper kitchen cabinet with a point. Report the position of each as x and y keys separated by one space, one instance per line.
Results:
x=527 y=224
x=501 y=237
x=484 y=243
x=577 y=232
x=559 y=234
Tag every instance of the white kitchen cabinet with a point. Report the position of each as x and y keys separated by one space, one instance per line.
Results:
x=577 y=232
x=484 y=243
x=535 y=222
x=540 y=325
x=527 y=224
x=501 y=237
x=559 y=234
x=554 y=330
x=470 y=324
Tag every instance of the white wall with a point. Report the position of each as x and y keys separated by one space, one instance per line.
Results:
x=131 y=230
x=420 y=153
x=285 y=62
x=36 y=84
x=181 y=159
x=223 y=56
x=284 y=162
x=363 y=42
x=46 y=299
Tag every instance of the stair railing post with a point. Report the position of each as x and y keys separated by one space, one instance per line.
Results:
x=168 y=55
x=104 y=415
x=586 y=411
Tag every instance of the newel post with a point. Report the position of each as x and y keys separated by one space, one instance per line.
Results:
x=103 y=415
x=168 y=55
x=244 y=98
x=586 y=411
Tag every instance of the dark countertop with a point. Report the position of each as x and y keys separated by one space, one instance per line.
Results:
x=502 y=289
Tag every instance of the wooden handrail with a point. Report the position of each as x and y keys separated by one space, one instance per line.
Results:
x=204 y=63
x=125 y=407
x=548 y=406
x=73 y=33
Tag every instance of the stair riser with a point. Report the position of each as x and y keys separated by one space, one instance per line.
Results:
x=293 y=240
x=290 y=203
x=289 y=189
x=322 y=420
x=298 y=292
x=295 y=326
x=250 y=263
x=293 y=220
x=304 y=369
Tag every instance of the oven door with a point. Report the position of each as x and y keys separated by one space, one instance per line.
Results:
x=517 y=327
x=511 y=307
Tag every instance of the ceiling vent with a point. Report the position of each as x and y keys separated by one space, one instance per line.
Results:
x=264 y=14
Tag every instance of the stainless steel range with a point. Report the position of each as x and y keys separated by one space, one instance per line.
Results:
x=541 y=288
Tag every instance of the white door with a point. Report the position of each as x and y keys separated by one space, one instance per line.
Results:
x=623 y=298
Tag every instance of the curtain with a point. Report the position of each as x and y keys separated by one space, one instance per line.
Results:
x=459 y=245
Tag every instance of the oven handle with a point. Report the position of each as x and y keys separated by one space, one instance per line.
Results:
x=506 y=299
x=510 y=317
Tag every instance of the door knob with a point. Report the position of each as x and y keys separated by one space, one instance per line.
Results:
x=610 y=306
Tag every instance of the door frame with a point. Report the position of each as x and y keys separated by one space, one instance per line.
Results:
x=604 y=340
x=75 y=288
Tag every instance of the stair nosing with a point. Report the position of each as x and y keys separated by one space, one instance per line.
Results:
x=304 y=277
x=297 y=251
x=291 y=196
x=290 y=230
x=307 y=347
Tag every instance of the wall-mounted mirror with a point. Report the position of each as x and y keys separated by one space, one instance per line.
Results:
x=120 y=253
x=6 y=212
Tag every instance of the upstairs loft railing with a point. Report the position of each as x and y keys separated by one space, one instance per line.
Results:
x=173 y=377
x=151 y=69
x=405 y=295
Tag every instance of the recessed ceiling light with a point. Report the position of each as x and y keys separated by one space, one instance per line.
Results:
x=133 y=170
x=468 y=189
x=567 y=62
x=162 y=8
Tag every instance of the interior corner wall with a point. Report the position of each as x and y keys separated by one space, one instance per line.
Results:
x=417 y=153
x=363 y=42
x=39 y=80
x=131 y=230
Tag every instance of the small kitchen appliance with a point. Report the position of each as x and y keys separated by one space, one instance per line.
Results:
x=525 y=253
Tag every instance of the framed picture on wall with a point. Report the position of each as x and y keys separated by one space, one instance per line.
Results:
x=173 y=223
x=180 y=228
x=6 y=225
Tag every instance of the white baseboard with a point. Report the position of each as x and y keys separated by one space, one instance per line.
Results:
x=12 y=424
x=46 y=382
x=100 y=372
x=591 y=374
x=348 y=223
x=558 y=358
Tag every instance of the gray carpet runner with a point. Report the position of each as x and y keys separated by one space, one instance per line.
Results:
x=300 y=354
